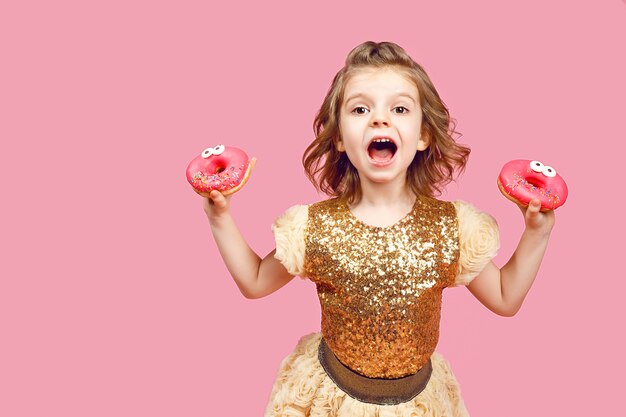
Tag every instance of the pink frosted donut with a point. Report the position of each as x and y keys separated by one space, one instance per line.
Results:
x=222 y=168
x=522 y=180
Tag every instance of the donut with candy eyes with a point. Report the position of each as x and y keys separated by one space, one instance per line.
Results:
x=222 y=168
x=522 y=180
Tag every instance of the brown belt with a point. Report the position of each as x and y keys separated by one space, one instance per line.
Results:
x=373 y=390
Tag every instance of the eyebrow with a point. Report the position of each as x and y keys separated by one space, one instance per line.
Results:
x=363 y=95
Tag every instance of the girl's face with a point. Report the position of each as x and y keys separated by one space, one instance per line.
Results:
x=380 y=123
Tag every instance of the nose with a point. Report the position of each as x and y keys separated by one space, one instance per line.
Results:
x=380 y=119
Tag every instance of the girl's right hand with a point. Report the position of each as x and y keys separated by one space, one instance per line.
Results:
x=216 y=205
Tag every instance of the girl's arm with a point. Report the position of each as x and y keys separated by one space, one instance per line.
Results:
x=503 y=290
x=254 y=276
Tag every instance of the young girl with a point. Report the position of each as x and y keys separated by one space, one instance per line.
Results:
x=382 y=249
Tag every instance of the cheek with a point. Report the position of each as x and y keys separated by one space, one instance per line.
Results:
x=408 y=129
x=417 y=128
x=342 y=127
x=347 y=130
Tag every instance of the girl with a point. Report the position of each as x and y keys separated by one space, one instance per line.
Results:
x=382 y=249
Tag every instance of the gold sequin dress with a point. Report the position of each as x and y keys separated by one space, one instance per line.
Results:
x=380 y=291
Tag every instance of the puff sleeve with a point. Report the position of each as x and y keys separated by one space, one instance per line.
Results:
x=289 y=231
x=479 y=241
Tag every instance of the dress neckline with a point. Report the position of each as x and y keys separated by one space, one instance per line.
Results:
x=401 y=221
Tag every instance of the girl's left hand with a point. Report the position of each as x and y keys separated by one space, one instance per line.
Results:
x=537 y=220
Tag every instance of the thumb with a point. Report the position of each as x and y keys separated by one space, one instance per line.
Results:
x=533 y=208
x=218 y=199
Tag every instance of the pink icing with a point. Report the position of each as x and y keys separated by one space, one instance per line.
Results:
x=523 y=184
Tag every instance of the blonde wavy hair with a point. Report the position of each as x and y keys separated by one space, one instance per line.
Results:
x=331 y=171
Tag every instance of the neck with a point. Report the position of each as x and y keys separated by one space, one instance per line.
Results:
x=386 y=194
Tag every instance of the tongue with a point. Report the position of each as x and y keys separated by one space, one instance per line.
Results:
x=381 y=155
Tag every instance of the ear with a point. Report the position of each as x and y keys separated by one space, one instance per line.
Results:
x=423 y=142
x=339 y=146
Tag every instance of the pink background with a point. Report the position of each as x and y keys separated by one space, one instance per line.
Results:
x=113 y=298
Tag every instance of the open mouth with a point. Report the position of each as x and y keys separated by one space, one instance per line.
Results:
x=382 y=150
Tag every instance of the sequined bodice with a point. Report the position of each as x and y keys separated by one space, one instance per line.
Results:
x=380 y=288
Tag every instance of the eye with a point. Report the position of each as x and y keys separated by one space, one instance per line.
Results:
x=401 y=110
x=207 y=152
x=549 y=171
x=359 y=110
x=536 y=166
x=218 y=149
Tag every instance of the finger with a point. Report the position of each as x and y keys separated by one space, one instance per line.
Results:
x=533 y=208
x=218 y=198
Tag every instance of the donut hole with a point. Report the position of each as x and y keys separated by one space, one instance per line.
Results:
x=535 y=182
x=220 y=169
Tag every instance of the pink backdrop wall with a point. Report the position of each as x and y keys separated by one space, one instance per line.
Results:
x=113 y=298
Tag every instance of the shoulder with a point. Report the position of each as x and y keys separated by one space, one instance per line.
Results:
x=479 y=240
x=292 y=216
x=325 y=205
x=436 y=204
x=437 y=208
x=469 y=216
x=289 y=230
x=297 y=215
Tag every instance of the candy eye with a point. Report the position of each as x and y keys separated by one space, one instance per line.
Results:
x=549 y=171
x=218 y=149
x=536 y=166
x=207 y=152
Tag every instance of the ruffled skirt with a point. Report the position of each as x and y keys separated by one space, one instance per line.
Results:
x=303 y=389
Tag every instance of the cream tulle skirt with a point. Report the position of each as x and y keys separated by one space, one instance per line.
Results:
x=303 y=389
